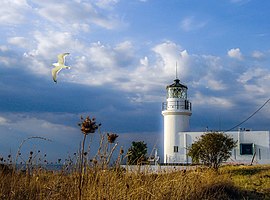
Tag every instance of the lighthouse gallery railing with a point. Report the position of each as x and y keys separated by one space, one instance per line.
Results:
x=177 y=105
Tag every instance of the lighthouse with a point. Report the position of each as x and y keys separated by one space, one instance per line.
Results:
x=176 y=112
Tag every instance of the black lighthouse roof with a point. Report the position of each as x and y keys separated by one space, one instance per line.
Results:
x=177 y=84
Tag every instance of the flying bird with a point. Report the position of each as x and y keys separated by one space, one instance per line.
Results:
x=59 y=65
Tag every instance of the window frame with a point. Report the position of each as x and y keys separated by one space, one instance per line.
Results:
x=175 y=149
x=245 y=148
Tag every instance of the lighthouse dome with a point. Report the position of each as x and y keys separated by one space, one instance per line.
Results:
x=177 y=90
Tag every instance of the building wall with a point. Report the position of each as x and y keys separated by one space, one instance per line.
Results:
x=173 y=122
x=261 y=146
x=259 y=140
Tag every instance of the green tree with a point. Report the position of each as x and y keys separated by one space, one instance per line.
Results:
x=212 y=149
x=137 y=153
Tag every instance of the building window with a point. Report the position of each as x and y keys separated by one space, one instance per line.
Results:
x=246 y=149
x=175 y=149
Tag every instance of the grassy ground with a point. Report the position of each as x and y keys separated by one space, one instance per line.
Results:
x=253 y=179
x=231 y=182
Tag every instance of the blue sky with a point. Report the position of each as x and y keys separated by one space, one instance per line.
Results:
x=122 y=56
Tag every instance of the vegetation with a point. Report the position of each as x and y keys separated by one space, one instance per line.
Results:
x=137 y=153
x=212 y=149
x=255 y=179
x=87 y=126
x=237 y=182
x=87 y=179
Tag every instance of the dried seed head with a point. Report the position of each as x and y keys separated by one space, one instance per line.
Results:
x=94 y=161
x=121 y=151
x=111 y=137
x=88 y=125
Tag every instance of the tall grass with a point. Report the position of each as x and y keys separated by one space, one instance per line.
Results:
x=255 y=179
x=87 y=179
x=121 y=184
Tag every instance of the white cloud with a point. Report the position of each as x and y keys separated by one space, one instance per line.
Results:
x=81 y=27
x=48 y=45
x=102 y=56
x=3 y=48
x=251 y=74
x=29 y=125
x=3 y=120
x=190 y=23
x=13 y=11
x=215 y=84
x=257 y=54
x=144 y=61
x=235 y=53
x=256 y=81
x=206 y=71
x=212 y=101
x=169 y=54
x=5 y=61
x=106 y=4
x=19 y=41
x=8 y=61
x=84 y=14
x=120 y=66
x=124 y=52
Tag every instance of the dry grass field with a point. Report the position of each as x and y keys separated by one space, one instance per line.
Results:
x=82 y=178
x=230 y=182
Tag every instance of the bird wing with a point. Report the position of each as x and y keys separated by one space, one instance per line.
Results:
x=55 y=71
x=61 y=58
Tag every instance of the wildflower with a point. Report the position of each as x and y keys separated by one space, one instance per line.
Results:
x=121 y=151
x=88 y=125
x=111 y=137
x=94 y=161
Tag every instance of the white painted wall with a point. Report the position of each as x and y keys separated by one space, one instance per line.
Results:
x=175 y=120
x=260 y=139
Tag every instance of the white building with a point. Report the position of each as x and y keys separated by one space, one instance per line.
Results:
x=252 y=146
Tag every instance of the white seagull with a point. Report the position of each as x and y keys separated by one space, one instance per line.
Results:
x=59 y=65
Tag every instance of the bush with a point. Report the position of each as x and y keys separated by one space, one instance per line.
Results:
x=212 y=149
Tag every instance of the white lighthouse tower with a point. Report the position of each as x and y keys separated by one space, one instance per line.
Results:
x=176 y=111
